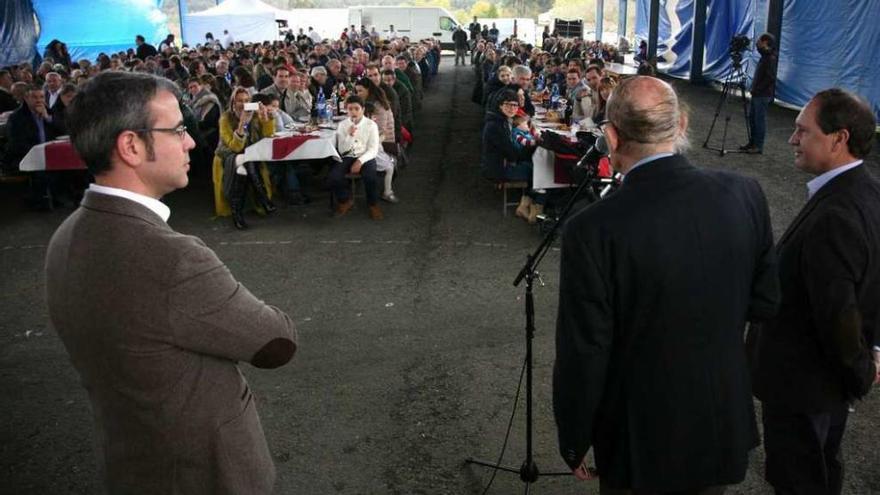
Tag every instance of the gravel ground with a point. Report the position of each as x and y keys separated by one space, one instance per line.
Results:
x=411 y=331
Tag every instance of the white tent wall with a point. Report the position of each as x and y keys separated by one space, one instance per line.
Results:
x=246 y=20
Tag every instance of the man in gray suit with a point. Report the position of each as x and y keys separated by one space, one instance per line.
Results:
x=153 y=321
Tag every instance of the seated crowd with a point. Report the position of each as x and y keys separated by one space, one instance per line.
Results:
x=510 y=78
x=285 y=79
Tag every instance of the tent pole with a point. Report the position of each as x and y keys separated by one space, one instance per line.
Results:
x=600 y=20
x=653 y=22
x=621 y=18
x=182 y=11
x=699 y=41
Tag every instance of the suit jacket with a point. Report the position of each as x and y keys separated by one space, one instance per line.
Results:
x=288 y=105
x=657 y=282
x=22 y=134
x=155 y=324
x=815 y=355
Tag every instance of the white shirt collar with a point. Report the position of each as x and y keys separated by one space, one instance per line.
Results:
x=156 y=206
x=814 y=185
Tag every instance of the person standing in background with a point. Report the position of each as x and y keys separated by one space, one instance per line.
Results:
x=763 y=91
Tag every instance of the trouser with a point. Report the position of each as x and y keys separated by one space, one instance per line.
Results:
x=803 y=451
x=284 y=176
x=758 y=119
x=604 y=489
x=339 y=185
x=460 y=54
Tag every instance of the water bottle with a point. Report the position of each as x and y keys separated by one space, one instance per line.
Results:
x=321 y=106
x=539 y=85
x=334 y=103
x=554 y=96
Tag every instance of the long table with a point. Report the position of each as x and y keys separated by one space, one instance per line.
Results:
x=52 y=156
x=286 y=146
x=544 y=173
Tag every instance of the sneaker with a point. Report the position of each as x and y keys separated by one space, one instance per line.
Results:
x=391 y=198
x=753 y=150
x=746 y=147
x=343 y=207
x=376 y=213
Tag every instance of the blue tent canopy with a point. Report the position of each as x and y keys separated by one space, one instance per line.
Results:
x=823 y=45
x=88 y=27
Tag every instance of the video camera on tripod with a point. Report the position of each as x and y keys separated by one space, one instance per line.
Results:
x=735 y=81
x=738 y=45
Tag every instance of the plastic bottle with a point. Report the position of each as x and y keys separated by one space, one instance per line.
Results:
x=554 y=96
x=321 y=106
x=333 y=107
x=539 y=84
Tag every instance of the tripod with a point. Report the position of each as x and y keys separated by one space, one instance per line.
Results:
x=528 y=471
x=736 y=79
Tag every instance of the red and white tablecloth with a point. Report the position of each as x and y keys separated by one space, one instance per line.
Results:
x=293 y=147
x=51 y=156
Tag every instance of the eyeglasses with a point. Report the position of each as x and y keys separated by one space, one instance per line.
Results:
x=179 y=130
x=511 y=104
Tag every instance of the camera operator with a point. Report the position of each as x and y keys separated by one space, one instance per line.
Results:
x=763 y=90
x=657 y=281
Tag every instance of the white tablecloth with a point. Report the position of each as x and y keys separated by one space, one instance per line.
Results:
x=543 y=170
x=51 y=156
x=323 y=146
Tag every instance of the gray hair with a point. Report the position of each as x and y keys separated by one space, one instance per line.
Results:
x=643 y=118
x=108 y=104
x=522 y=71
x=318 y=70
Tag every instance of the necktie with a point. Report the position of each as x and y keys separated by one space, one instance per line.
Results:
x=284 y=100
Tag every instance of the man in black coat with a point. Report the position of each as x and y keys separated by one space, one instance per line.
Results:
x=657 y=283
x=144 y=49
x=459 y=37
x=815 y=357
x=32 y=124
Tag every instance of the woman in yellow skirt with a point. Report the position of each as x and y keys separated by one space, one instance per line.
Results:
x=238 y=130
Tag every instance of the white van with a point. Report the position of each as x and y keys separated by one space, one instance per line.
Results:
x=414 y=22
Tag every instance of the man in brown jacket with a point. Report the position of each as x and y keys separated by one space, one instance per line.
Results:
x=153 y=321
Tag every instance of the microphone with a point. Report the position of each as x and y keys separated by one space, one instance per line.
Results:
x=597 y=151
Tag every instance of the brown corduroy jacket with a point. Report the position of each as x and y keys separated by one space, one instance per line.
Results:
x=155 y=325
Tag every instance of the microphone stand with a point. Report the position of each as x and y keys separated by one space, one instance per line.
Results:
x=528 y=471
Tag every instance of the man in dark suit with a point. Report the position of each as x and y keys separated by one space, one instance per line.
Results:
x=657 y=283
x=32 y=124
x=815 y=357
x=153 y=321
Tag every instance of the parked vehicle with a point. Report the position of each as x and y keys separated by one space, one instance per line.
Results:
x=414 y=22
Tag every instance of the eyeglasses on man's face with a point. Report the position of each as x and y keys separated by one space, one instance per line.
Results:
x=179 y=130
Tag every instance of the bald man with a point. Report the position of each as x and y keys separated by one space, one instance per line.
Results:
x=657 y=283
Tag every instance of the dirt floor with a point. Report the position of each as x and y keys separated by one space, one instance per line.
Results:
x=412 y=334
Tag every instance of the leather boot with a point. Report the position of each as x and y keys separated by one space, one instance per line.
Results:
x=260 y=189
x=522 y=210
x=236 y=202
x=534 y=210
